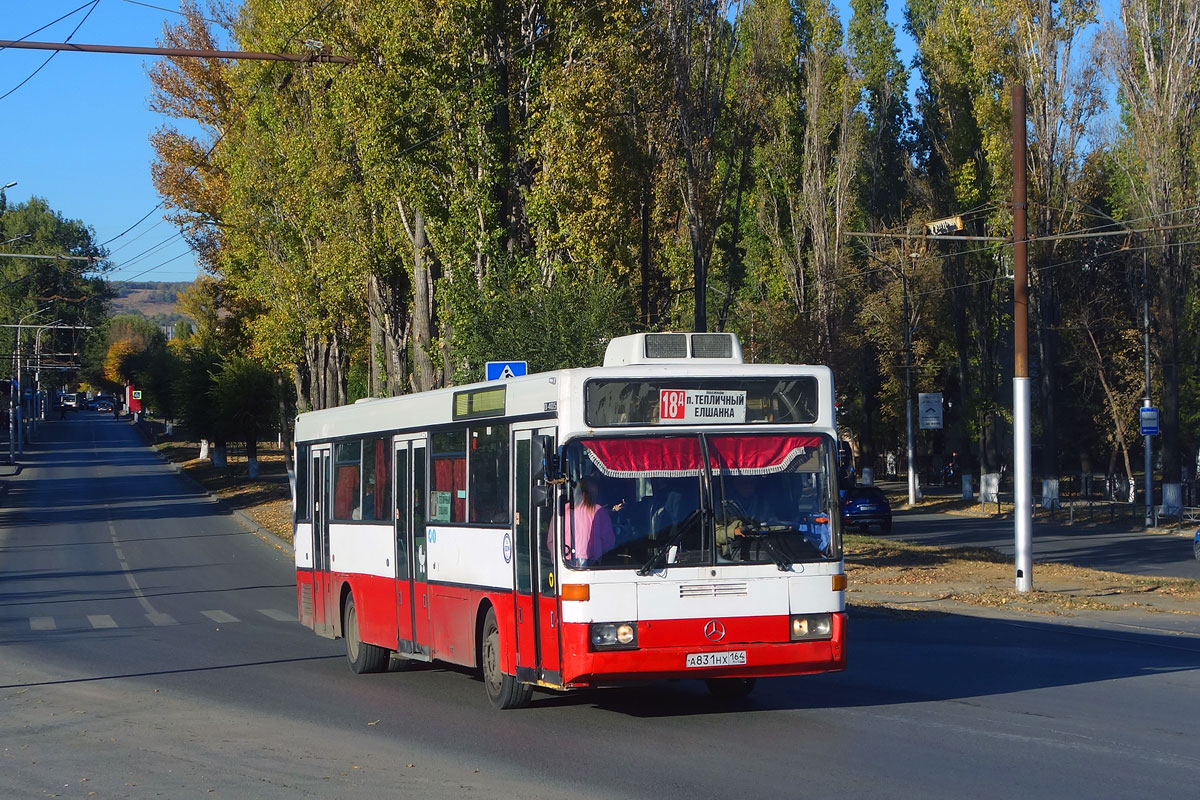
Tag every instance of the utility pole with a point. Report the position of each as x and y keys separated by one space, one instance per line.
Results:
x=1022 y=428
x=908 y=393
x=1148 y=440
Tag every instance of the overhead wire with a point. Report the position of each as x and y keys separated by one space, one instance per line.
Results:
x=163 y=8
x=220 y=136
x=50 y=57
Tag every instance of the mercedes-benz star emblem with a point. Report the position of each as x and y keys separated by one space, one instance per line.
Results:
x=714 y=631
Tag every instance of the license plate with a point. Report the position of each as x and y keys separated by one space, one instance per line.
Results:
x=866 y=508
x=729 y=658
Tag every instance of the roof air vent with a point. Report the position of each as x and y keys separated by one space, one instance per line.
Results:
x=672 y=348
x=712 y=345
x=666 y=345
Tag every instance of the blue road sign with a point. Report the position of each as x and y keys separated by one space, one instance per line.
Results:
x=1149 y=419
x=499 y=370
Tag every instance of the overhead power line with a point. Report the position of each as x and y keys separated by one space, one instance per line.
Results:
x=183 y=52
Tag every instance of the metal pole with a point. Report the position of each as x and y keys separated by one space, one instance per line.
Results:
x=1148 y=441
x=908 y=409
x=1022 y=429
x=20 y=404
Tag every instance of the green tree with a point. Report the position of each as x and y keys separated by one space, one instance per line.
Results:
x=242 y=394
x=1156 y=62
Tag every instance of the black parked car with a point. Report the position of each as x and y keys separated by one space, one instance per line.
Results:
x=864 y=506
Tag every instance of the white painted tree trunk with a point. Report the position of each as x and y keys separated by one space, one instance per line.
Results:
x=203 y=449
x=252 y=467
x=218 y=456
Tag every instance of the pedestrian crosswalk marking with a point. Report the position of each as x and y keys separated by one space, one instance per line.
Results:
x=106 y=621
x=277 y=615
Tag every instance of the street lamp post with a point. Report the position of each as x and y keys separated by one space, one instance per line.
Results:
x=908 y=393
x=1148 y=440
x=17 y=420
x=39 y=409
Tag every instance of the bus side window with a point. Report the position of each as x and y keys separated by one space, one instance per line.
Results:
x=347 y=481
x=377 y=479
x=300 y=489
x=487 y=482
x=448 y=473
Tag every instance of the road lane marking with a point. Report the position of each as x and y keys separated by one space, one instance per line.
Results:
x=102 y=621
x=277 y=615
x=220 y=616
x=42 y=624
x=152 y=613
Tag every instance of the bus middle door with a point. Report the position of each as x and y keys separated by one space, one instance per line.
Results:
x=537 y=617
x=418 y=553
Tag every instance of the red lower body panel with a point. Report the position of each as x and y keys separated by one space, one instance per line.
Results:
x=664 y=646
x=447 y=621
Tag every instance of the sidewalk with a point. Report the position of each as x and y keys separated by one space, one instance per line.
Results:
x=943 y=556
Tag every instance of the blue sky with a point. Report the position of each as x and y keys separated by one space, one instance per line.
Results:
x=77 y=133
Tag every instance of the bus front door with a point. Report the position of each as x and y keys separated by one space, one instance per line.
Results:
x=325 y=610
x=537 y=617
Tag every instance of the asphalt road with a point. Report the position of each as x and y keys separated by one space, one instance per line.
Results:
x=148 y=648
x=1092 y=542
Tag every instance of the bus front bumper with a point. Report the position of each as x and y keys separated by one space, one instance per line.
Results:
x=585 y=667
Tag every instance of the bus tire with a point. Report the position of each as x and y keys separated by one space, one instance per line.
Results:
x=363 y=657
x=730 y=688
x=504 y=691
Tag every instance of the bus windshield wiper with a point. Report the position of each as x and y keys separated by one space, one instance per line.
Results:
x=776 y=556
x=661 y=552
x=768 y=533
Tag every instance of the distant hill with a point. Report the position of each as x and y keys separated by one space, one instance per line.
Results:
x=152 y=300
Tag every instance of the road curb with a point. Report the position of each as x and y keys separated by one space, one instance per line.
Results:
x=241 y=516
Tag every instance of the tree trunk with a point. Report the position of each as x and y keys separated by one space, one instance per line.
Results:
x=648 y=314
x=387 y=300
x=285 y=424
x=425 y=376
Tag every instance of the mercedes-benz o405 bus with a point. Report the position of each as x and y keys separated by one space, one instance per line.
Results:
x=671 y=514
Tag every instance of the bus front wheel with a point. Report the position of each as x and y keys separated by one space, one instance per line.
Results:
x=363 y=657
x=504 y=691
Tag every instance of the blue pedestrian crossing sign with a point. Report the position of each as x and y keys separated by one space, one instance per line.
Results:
x=499 y=370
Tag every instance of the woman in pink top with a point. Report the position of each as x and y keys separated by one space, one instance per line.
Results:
x=591 y=525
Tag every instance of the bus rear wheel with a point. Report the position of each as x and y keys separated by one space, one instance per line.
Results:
x=504 y=691
x=363 y=657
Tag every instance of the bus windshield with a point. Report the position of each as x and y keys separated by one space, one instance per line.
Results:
x=702 y=499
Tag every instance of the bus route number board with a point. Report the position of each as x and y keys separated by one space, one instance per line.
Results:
x=701 y=406
x=729 y=658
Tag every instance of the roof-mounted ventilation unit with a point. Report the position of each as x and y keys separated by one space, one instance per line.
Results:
x=673 y=348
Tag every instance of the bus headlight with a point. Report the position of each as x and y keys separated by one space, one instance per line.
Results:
x=811 y=626
x=613 y=635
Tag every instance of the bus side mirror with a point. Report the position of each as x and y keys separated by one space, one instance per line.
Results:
x=545 y=469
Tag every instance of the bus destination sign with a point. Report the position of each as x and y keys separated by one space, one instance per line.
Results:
x=701 y=406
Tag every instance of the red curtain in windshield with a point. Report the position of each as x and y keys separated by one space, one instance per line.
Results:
x=758 y=455
x=668 y=457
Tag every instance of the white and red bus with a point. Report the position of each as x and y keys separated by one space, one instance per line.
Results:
x=671 y=514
